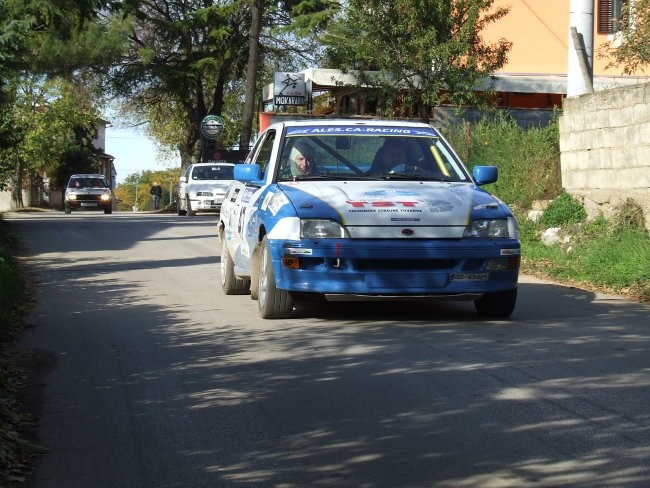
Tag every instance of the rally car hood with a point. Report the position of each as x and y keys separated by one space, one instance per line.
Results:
x=393 y=208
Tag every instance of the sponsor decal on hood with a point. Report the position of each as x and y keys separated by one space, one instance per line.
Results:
x=382 y=209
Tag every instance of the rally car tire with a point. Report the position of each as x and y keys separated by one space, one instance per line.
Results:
x=179 y=210
x=230 y=284
x=67 y=210
x=498 y=304
x=272 y=302
x=188 y=206
x=255 y=272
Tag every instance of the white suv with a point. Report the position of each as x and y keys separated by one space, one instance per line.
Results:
x=202 y=187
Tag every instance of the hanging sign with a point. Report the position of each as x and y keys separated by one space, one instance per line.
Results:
x=289 y=88
x=212 y=126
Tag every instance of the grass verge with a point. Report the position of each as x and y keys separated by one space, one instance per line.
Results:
x=601 y=255
x=597 y=255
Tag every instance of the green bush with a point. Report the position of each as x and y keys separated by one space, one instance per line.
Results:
x=565 y=209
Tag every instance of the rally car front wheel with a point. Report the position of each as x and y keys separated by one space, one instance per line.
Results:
x=230 y=284
x=179 y=210
x=272 y=302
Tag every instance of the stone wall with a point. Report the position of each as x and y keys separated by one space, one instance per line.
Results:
x=605 y=149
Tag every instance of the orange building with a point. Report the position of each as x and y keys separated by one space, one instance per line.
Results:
x=534 y=80
x=536 y=72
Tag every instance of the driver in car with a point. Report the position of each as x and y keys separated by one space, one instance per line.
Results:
x=302 y=158
x=391 y=154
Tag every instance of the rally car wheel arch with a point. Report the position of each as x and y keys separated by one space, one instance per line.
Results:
x=230 y=284
x=497 y=304
x=272 y=302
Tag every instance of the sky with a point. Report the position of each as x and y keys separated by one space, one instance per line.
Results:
x=133 y=153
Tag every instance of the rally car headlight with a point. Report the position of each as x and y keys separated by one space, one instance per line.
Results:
x=493 y=228
x=322 y=229
x=72 y=196
x=105 y=197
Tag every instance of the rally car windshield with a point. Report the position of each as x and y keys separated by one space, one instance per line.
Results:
x=368 y=156
x=214 y=172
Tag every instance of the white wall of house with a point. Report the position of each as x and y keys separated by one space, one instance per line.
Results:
x=605 y=148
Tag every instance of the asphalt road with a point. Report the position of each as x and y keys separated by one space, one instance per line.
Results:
x=159 y=380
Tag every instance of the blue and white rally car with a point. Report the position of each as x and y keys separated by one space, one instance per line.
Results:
x=371 y=210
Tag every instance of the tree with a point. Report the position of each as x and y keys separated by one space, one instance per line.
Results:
x=193 y=59
x=633 y=51
x=56 y=124
x=284 y=22
x=432 y=50
x=45 y=124
x=135 y=189
x=257 y=8
x=183 y=55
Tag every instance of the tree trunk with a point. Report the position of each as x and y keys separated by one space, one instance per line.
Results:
x=425 y=109
x=257 y=7
x=17 y=185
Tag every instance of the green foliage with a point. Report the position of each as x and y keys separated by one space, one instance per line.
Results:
x=183 y=60
x=51 y=125
x=61 y=121
x=135 y=188
x=528 y=159
x=86 y=55
x=599 y=254
x=13 y=32
x=618 y=258
x=565 y=209
x=312 y=16
x=433 y=48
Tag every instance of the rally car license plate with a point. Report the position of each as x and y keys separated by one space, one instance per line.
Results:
x=88 y=204
x=468 y=276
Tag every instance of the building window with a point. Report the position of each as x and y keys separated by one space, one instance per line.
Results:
x=609 y=16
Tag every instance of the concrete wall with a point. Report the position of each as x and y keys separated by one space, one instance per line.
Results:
x=605 y=148
x=6 y=203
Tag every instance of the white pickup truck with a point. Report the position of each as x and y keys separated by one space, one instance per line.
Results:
x=365 y=210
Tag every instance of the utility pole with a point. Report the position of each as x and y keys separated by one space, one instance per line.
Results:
x=137 y=183
x=580 y=74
